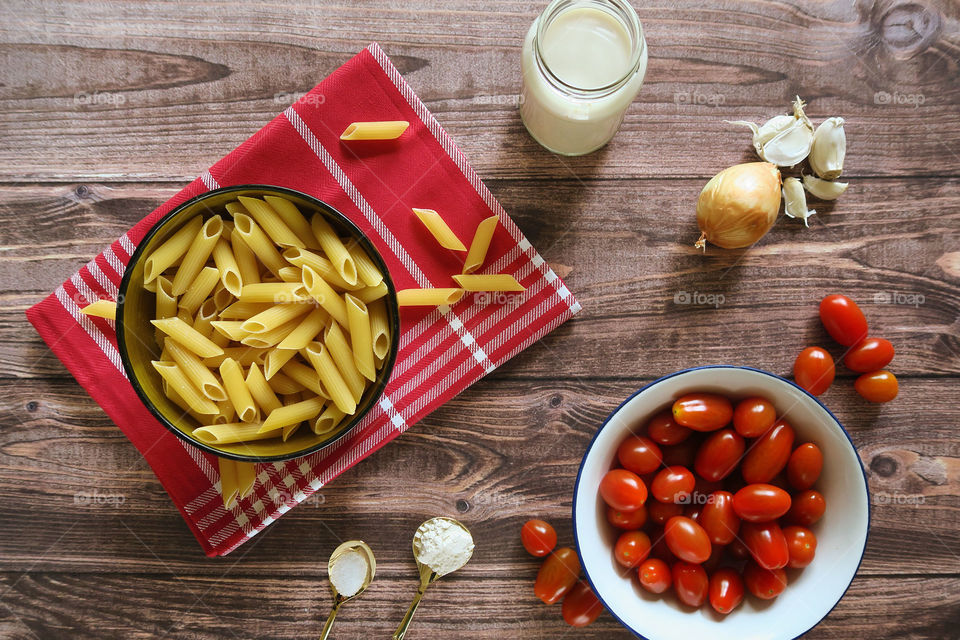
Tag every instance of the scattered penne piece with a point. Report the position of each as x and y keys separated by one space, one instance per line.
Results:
x=101 y=309
x=480 y=244
x=488 y=282
x=428 y=297
x=436 y=225
x=379 y=130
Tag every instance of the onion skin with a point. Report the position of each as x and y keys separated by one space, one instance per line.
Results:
x=739 y=205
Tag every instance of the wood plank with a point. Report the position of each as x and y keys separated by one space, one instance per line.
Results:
x=503 y=451
x=97 y=91
x=629 y=245
x=63 y=605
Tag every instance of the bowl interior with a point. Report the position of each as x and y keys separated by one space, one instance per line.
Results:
x=135 y=334
x=810 y=594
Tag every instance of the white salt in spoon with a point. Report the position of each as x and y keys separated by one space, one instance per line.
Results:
x=353 y=567
x=428 y=574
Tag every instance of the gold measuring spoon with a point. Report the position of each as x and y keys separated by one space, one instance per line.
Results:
x=351 y=546
x=428 y=574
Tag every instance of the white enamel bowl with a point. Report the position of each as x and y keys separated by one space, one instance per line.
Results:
x=811 y=593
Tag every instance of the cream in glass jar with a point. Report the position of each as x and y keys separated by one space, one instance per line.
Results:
x=583 y=63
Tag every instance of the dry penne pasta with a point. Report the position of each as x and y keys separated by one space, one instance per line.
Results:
x=199 y=289
x=428 y=297
x=293 y=413
x=306 y=376
x=333 y=246
x=197 y=372
x=306 y=330
x=292 y=217
x=275 y=359
x=246 y=259
x=271 y=222
x=488 y=282
x=480 y=244
x=328 y=420
x=232 y=329
x=206 y=314
x=259 y=243
x=166 y=302
x=197 y=255
x=290 y=274
x=232 y=433
x=328 y=299
x=106 y=309
x=242 y=310
x=244 y=356
x=274 y=317
x=246 y=478
x=237 y=391
x=229 y=485
x=324 y=268
x=179 y=382
x=438 y=228
x=361 y=340
x=367 y=271
x=283 y=384
x=227 y=267
x=379 y=328
x=330 y=376
x=188 y=336
x=261 y=391
x=342 y=355
x=379 y=130
x=221 y=297
x=172 y=250
x=273 y=292
x=270 y=338
x=369 y=294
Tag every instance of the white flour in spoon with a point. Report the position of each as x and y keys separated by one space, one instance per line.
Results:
x=349 y=572
x=442 y=545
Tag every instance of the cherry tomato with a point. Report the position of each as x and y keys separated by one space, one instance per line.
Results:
x=673 y=484
x=538 y=537
x=640 y=455
x=879 y=386
x=761 y=502
x=843 y=320
x=766 y=544
x=557 y=575
x=660 y=512
x=627 y=520
x=687 y=539
x=632 y=548
x=753 y=416
x=802 y=544
x=814 y=370
x=769 y=454
x=738 y=550
x=719 y=455
x=766 y=584
x=690 y=583
x=870 y=354
x=726 y=590
x=682 y=454
x=719 y=519
x=804 y=466
x=623 y=490
x=703 y=411
x=655 y=575
x=581 y=606
x=663 y=429
x=807 y=508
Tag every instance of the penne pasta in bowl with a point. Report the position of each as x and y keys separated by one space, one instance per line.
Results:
x=257 y=323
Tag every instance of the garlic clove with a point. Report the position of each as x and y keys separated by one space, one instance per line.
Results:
x=824 y=189
x=829 y=149
x=795 y=201
x=783 y=140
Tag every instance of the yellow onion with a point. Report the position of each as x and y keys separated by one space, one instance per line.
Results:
x=739 y=205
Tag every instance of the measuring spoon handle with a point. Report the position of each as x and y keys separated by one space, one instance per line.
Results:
x=408 y=617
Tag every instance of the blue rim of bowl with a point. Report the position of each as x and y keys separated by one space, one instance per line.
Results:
x=576 y=486
x=388 y=362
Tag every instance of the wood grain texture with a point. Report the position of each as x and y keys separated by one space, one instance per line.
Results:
x=107 y=108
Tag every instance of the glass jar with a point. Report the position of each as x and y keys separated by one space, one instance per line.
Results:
x=583 y=63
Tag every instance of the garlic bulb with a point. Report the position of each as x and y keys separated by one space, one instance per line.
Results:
x=829 y=149
x=783 y=140
x=795 y=201
x=824 y=189
x=739 y=205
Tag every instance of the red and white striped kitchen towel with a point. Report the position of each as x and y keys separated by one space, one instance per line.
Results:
x=442 y=351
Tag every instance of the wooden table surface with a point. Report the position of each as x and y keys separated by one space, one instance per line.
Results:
x=108 y=108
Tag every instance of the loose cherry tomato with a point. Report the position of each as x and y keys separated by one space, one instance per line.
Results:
x=870 y=354
x=660 y=512
x=769 y=454
x=538 y=537
x=804 y=466
x=719 y=519
x=761 y=502
x=766 y=544
x=802 y=544
x=753 y=416
x=726 y=590
x=581 y=606
x=766 y=584
x=627 y=520
x=719 y=455
x=807 y=508
x=557 y=575
x=655 y=575
x=687 y=539
x=690 y=583
x=663 y=429
x=640 y=455
x=879 y=386
x=814 y=370
x=703 y=411
x=623 y=490
x=738 y=550
x=843 y=320
x=673 y=484
x=632 y=548
x=682 y=454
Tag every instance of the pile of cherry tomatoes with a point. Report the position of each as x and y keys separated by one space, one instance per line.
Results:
x=559 y=575
x=814 y=369
x=732 y=501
